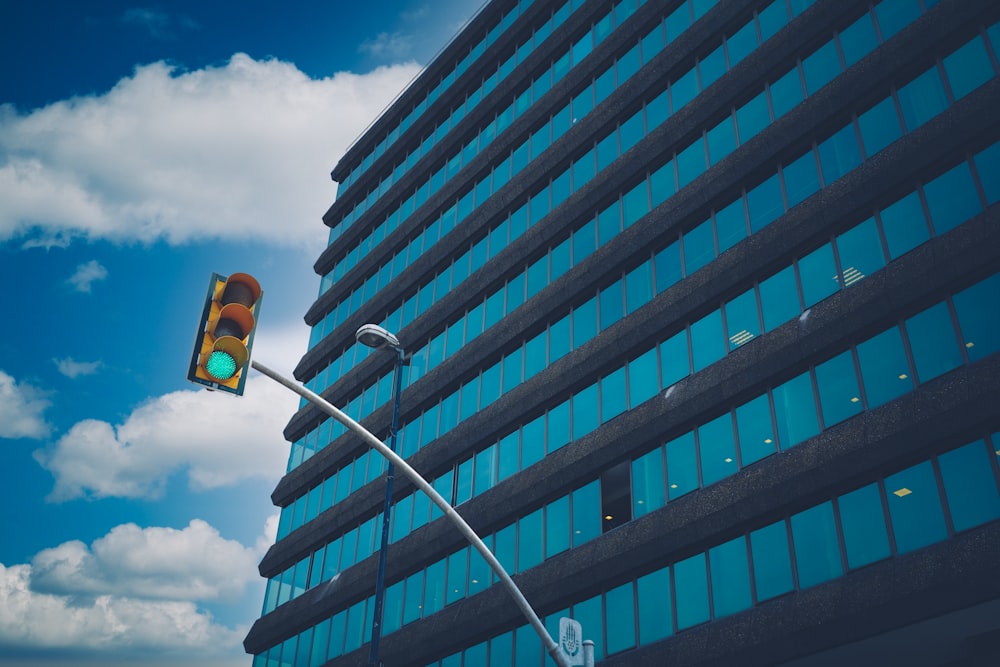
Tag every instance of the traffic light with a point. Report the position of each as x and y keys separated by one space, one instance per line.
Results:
x=225 y=333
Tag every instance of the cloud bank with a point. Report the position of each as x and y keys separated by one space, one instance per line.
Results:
x=215 y=439
x=134 y=591
x=240 y=151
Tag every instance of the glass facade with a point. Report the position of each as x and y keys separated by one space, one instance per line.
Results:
x=726 y=248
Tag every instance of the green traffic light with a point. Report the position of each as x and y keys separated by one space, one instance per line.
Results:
x=221 y=365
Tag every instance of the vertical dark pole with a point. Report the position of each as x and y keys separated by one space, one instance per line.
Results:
x=386 y=512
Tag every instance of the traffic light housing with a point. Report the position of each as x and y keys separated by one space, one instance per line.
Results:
x=225 y=333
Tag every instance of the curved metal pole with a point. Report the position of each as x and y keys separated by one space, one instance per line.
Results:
x=550 y=645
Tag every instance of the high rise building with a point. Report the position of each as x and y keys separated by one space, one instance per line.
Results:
x=702 y=313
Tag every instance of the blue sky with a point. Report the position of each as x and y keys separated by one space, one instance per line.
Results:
x=142 y=147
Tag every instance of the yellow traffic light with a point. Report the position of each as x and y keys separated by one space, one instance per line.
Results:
x=225 y=333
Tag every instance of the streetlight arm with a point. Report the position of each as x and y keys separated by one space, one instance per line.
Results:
x=550 y=645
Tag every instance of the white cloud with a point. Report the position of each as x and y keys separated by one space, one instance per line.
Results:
x=238 y=151
x=86 y=275
x=215 y=439
x=194 y=563
x=36 y=621
x=133 y=593
x=74 y=369
x=21 y=409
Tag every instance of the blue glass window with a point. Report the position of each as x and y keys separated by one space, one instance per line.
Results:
x=667 y=264
x=779 y=298
x=772 y=561
x=968 y=68
x=684 y=89
x=858 y=39
x=795 y=411
x=818 y=273
x=839 y=154
x=643 y=383
x=786 y=92
x=699 y=247
x=752 y=117
x=866 y=538
x=718 y=449
x=915 y=507
x=894 y=15
x=691 y=162
x=952 y=198
x=619 y=614
x=675 y=363
x=742 y=319
x=817 y=554
x=557 y=523
x=922 y=99
x=682 y=466
x=801 y=178
x=904 y=225
x=755 y=430
x=707 y=341
x=860 y=252
x=586 y=503
x=764 y=203
x=884 y=369
x=933 y=343
x=730 y=569
x=721 y=140
x=653 y=600
x=821 y=67
x=969 y=485
x=691 y=588
x=839 y=394
x=648 y=483
x=988 y=166
x=586 y=411
x=731 y=225
x=978 y=309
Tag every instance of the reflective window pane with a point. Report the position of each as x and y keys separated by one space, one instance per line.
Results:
x=839 y=395
x=707 y=340
x=818 y=273
x=742 y=319
x=682 y=466
x=915 y=507
x=978 y=309
x=691 y=588
x=772 y=561
x=756 y=433
x=619 y=614
x=779 y=298
x=795 y=411
x=648 y=483
x=801 y=178
x=970 y=485
x=884 y=369
x=922 y=99
x=817 y=554
x=718 y=449
x=655 y=612
x=952 y=198
x=860 y=252
x=866 y=538
x=730 y=577
x=968 y=68
x=904 y=225
x=879 y=126
x=932 y=341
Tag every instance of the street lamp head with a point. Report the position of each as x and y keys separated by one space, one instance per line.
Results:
x=374 y=336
